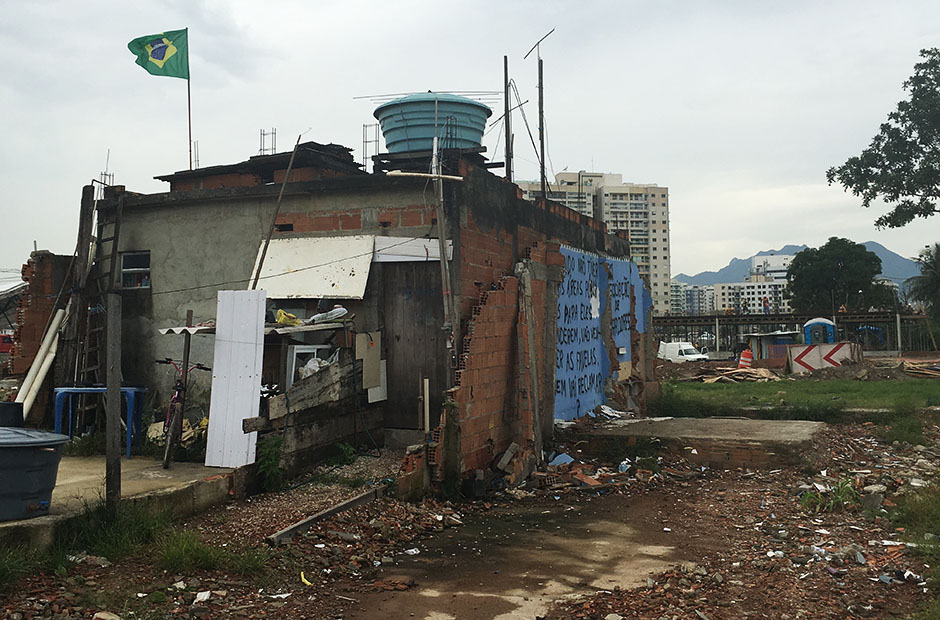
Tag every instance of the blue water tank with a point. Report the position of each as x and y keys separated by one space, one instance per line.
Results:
x=408 y=123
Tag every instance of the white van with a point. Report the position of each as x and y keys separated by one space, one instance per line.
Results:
x=680 y=352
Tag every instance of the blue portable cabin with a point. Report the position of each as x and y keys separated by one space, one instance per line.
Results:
x=819 y=331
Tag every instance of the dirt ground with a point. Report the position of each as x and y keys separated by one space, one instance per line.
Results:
x=866 y=370
x=680 y=543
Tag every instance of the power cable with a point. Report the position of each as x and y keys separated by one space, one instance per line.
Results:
x=276 y=275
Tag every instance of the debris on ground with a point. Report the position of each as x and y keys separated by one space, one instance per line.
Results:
x=794 y=544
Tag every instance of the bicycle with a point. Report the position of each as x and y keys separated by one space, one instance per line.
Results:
x=173 y=423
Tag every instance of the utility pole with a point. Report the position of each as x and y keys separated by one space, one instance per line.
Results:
x=506 y=119
x=541 y=111
x=542 y=129
x=113 y=405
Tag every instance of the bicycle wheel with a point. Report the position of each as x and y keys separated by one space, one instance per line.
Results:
x=172 y=434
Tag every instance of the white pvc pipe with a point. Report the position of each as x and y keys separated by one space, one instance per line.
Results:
x=51 y=334
x=40 y=375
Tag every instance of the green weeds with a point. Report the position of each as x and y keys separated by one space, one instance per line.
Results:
x=269 y=461
x=183 y=551
x=842 y=496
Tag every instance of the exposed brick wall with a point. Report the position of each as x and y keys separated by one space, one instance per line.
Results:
x=419 y=217
x=499 y=397
x=216 y=181
x=43 y=273
x=485 y=398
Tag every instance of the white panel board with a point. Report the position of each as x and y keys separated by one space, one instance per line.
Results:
x=316 y=267
x=409 y=250
x=236 y=377
x=380 y=393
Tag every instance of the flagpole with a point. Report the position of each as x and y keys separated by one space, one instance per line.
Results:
x=189 y=102
x=189 y=114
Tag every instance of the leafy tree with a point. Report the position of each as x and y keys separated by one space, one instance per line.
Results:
x=840 y=273
x=901 y=166
x=926 y=286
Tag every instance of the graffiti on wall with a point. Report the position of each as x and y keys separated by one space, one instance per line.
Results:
x=582 y=363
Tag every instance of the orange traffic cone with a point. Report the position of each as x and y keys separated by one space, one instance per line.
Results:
x=746 y=358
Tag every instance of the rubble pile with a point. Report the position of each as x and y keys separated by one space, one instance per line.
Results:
x=791 y=545
x=357 y=542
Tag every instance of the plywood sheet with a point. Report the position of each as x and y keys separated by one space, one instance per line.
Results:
x=380 y=393
x=236 y=377
x=369 y=350
x=316 y=267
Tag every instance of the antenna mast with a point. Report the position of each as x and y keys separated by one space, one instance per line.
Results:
x=538 y=54
x=506 y=118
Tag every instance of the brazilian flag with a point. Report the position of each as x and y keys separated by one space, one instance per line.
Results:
x=166 y=53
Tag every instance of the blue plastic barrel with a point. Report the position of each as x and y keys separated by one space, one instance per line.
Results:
x=29 y=465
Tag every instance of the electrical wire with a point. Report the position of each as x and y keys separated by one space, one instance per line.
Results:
x=515 y=90
x=276 y=275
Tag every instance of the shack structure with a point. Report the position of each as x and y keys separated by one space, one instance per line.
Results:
x=551 y=321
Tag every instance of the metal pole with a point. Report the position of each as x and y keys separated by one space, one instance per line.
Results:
x=898 y=317
x=717 y=339
x=113 y=406
x=189 y=115
x=506 y=119
x=277 y=210
x=542 y=130
x=187 y=341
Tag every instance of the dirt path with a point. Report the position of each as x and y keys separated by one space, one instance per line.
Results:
x=514 y=561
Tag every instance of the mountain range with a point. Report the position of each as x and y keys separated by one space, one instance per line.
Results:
x=893 y=266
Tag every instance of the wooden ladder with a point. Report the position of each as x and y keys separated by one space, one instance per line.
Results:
x=103 y=279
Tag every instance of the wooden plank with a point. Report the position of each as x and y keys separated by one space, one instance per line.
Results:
x=236 y=377
x=328 y=430
x=331 y=384
x=285 y=535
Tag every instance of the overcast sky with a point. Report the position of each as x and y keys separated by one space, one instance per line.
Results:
x=739 y=107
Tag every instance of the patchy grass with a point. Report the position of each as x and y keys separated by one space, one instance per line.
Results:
x=113 y=536
x=919 y=514
x=841 y=393
x=14 y=563
x=183 y=551
x=95 y=531
x=899 y=417
x=86 y=445
x=338 y=479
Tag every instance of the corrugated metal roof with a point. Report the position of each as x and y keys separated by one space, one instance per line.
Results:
x=316 y=267
x=210 y=329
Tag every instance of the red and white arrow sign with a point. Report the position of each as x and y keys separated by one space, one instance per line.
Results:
x=799 y=358
x=828 y=356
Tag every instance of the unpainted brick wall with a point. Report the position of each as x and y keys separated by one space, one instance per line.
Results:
x=412 y=216
x=493 y=393
x=43 y=273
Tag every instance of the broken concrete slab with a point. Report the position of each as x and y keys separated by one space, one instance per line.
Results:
x=510 y=452
x=715 y=442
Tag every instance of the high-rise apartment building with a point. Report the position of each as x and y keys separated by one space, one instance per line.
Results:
x=642 y=210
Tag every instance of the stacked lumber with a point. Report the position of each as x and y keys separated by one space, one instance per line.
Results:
x=929 y=370
x=734 y=375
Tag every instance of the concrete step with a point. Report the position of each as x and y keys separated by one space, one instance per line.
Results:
x=722 y=443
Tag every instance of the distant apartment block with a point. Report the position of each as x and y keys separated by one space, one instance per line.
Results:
x=691 y=299
x=772 y=266
x=758 y=294
x=642 y=210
